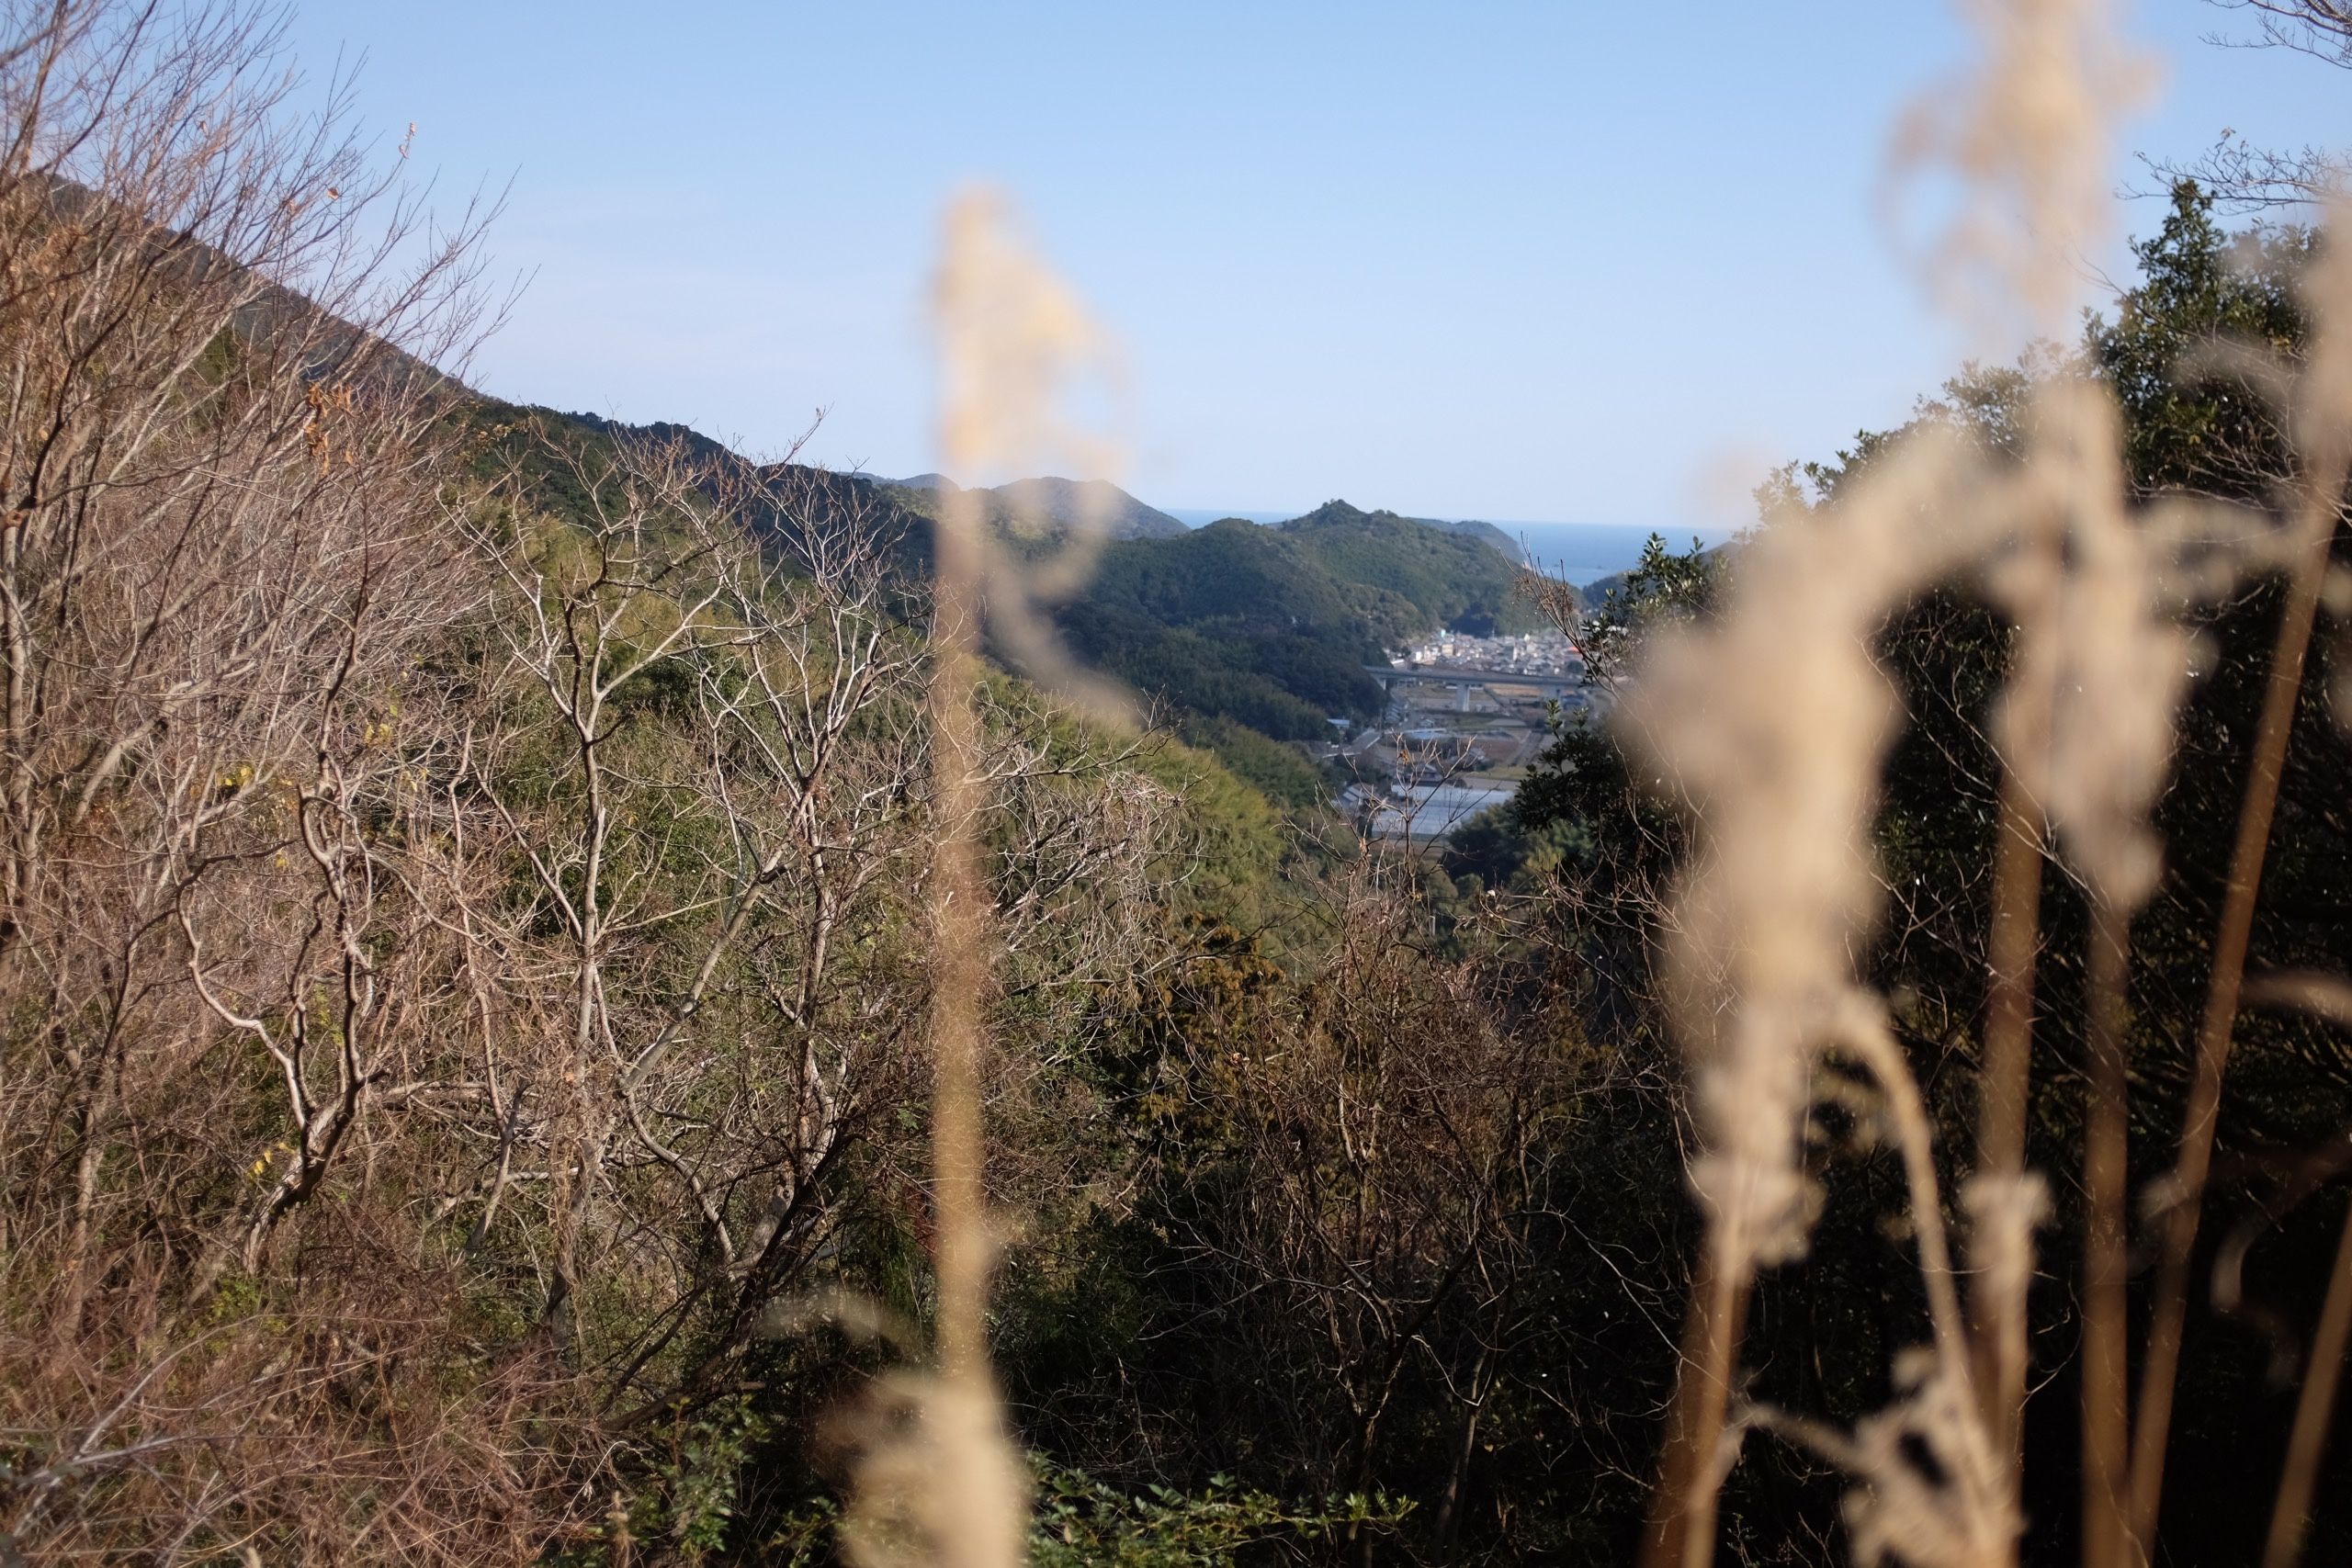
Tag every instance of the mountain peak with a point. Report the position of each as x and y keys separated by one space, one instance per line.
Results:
x=1066 y=503
x=1048 y=504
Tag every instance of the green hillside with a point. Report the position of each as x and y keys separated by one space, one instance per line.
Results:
x=1270 y=627
x=1453 y=573
x=1042 y=510
x=1235 y=634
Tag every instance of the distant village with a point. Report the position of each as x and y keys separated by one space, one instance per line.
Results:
x=1547 y=652
x=1466 y=717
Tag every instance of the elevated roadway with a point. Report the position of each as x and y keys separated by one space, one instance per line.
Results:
x=1467 y=680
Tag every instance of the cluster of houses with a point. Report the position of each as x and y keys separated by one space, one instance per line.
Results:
x=1529 y=653
x=1420 y=783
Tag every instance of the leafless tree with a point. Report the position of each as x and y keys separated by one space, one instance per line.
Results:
x=225 y=470
x=737 y=805
x=462 y=889
x=2243 y=176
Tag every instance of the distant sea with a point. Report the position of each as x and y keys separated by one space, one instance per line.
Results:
x=1579 y=552
x=1583 y=551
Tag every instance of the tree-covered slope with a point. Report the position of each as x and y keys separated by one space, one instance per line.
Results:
x=1226 y=630
x=1272 y=627
x=1044 y=510
x=1453 y=573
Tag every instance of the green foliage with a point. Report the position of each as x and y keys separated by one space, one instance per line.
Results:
x=1461 y=580
x=1581 y=777
x=1271 y=627
x=1665 y=585
x=1077 y=1521
x=683 y=1502
x=1505 y=851
x=1281 y=682
x=2191 y=421
x=1275 y=771
x=1080 y=1522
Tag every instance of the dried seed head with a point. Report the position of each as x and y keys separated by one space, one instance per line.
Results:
x=938 y=1483
x=2102 y=661
x=1932 y=1492
x=1019 y=357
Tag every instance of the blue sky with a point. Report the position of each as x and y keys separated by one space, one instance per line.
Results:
x=1559 y=261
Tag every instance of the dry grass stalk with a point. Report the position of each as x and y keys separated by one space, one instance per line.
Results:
x=950 y=1487
x=2011 y=950
x=2105 y=1259
x=2315 y=1405
x=1781 y=896
x=2029 y=134
x=2322 y=409
x=1774 y=722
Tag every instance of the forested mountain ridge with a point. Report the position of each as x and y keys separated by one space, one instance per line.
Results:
x=1270 y=625
x=1046 y=508
x=1459 y=575
x=534 y=437
x=1239 y=633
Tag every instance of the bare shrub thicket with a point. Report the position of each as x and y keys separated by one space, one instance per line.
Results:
x=463 y=885
x=1379 y=1181
x=224 y=556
